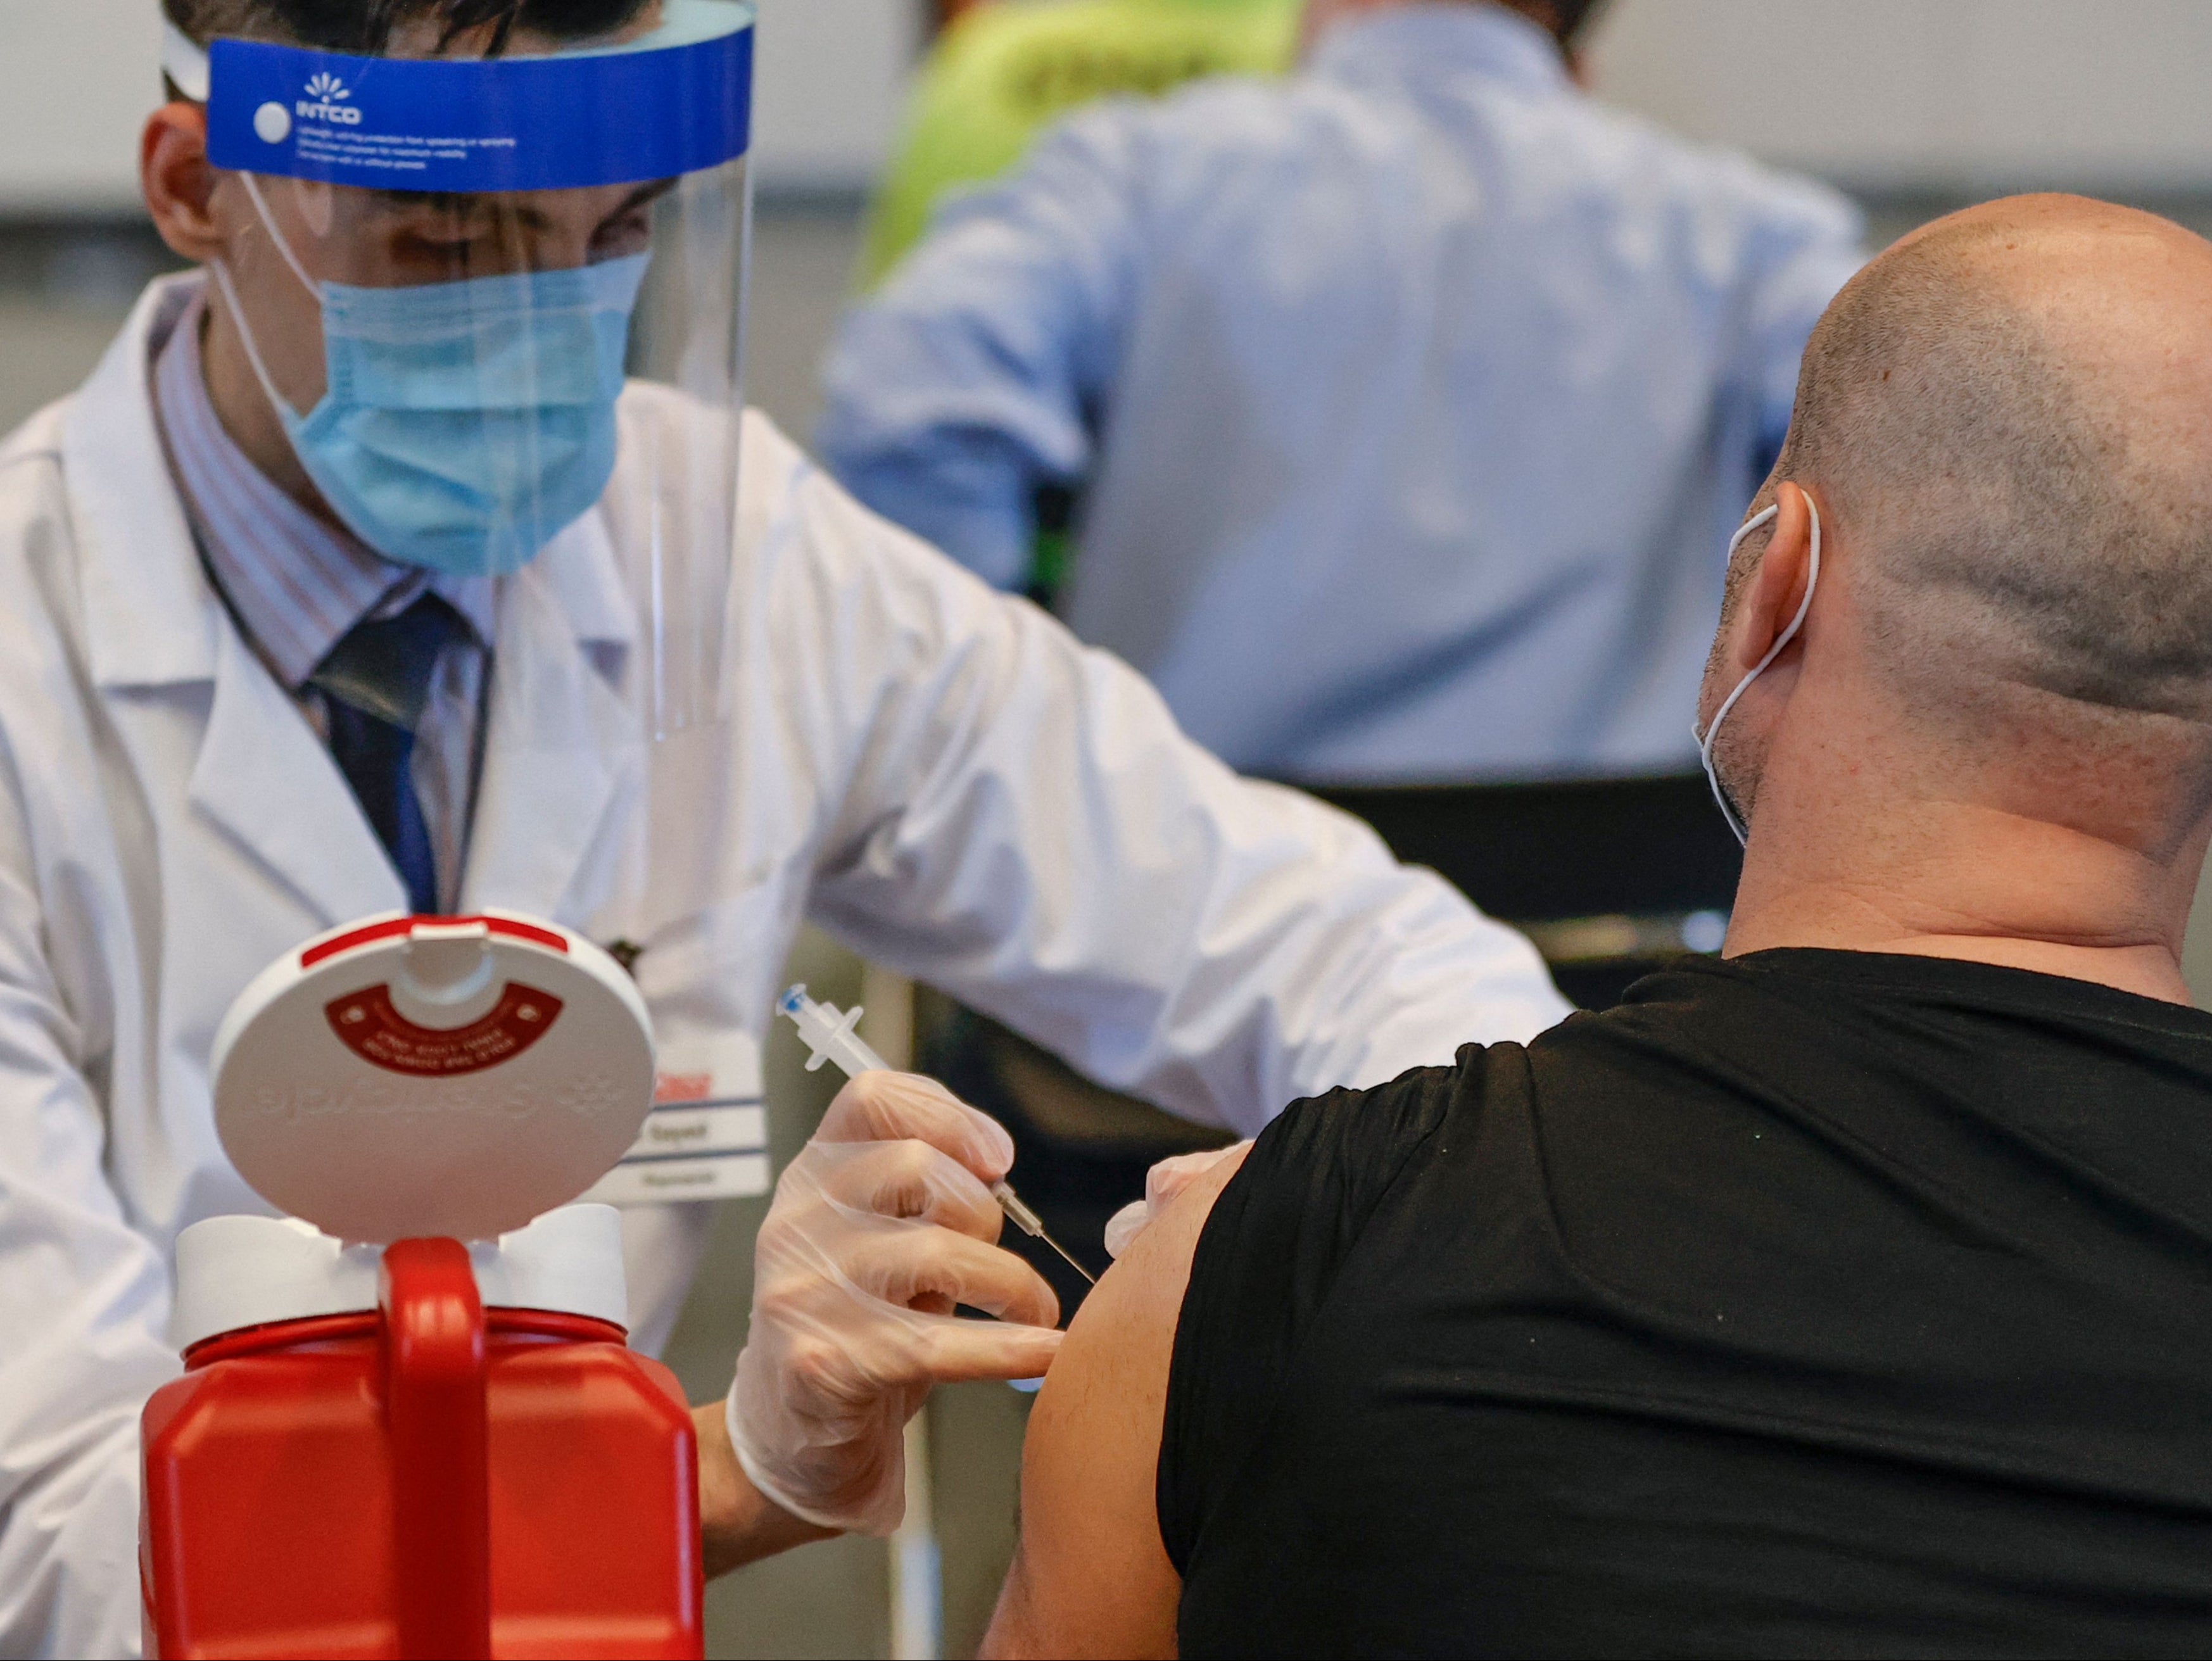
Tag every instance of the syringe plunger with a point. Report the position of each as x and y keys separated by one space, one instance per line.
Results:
x=828 y=1031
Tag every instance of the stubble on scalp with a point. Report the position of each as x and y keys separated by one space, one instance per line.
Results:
x=2000 y=414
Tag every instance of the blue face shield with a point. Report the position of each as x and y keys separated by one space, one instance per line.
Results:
x=467 y=424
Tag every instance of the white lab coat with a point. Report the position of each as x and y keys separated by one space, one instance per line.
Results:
x=941 y=776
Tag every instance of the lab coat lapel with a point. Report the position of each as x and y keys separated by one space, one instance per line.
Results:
x=564 y=753
x=266 y=777
x=150 y=617
x=153 y=622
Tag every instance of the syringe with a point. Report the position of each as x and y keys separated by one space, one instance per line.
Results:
x=828 y=1031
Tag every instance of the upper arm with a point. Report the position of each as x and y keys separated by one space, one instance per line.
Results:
x=1090 y=1576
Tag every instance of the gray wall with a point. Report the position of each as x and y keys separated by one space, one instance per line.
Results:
x=1983 y=97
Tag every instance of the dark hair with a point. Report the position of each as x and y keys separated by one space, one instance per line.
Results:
x=365 y=26
x=1574 y=16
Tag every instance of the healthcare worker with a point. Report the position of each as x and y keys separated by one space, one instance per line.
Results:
x=416 y=553
x=1407 y=399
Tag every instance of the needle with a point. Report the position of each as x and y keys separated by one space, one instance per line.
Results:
x=1029 y=1224
x=827 y=1031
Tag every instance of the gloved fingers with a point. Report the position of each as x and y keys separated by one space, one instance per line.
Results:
x=1162 y=1184
x=851 y=1392
x=1171 y=1176
x=907 y=1261
x=1125 y=1225
x=962 y=1351
x=910 y=1179
x=886 y=1107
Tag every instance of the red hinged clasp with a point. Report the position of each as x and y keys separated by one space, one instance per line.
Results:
x=433 y=1380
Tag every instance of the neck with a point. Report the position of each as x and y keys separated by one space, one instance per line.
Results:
x=1844 y=856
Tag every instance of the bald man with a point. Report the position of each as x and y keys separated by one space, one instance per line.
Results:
x=1853 y=1294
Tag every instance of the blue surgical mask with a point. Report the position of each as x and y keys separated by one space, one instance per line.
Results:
x=1705 y=740
x=463 y=425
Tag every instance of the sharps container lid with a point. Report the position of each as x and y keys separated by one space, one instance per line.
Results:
x=234 y=1272
x=416 y=1076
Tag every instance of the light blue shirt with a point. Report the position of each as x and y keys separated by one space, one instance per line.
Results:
x=1413 y=400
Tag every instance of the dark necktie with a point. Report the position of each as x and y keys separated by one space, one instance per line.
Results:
x=376 y=683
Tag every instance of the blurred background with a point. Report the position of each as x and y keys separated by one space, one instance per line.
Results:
x=1913 y=106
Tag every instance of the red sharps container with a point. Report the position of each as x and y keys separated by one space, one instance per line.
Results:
x=409 y=1423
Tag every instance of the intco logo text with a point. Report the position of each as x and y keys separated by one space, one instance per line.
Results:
x=326 y=102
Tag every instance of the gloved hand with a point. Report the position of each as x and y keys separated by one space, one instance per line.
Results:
x=1162 y=1184
x=879 y=1226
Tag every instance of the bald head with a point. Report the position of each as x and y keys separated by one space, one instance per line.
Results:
x=1993 y=738
x=2008 y=417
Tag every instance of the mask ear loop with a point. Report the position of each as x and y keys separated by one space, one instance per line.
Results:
x=269 y=224
x=221 y=270
x=246 y=336
x=1804 y=607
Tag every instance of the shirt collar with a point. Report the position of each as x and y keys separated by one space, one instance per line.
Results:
x=1466 y=37
x=297 y=584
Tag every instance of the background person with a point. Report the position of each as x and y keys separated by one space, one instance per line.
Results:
x=1407 y=399
x=1001 y=72
x=1840 y=1297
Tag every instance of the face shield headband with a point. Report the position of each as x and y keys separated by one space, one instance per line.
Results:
x=1735 y=822
x=674 y=100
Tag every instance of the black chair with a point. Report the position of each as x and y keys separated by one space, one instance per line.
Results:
x=1610 y=877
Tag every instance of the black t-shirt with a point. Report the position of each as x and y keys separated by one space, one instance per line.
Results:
x=1816 y=1302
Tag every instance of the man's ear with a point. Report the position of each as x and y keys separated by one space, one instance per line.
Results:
x=178 y=182
x=1779 y=588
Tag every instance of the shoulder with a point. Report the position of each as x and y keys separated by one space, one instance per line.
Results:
x=1317 y=1173
x=1167 y=1368
x=1161 y=148
x=38 y=439
x=1732 y=200
x=1270 y=1252
x=31 y=488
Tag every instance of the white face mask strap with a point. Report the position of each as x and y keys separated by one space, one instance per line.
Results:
x=269 y=224
x=1804 y=607
x=221 y=270
x=245 y=335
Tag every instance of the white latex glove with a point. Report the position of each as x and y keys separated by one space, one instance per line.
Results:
x=879 y=1226
x=1162 y=1184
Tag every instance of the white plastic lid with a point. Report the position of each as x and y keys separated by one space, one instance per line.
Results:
x=415 y=1076
x=234 y=1272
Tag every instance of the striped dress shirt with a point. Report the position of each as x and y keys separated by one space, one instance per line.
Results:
x=297 y=585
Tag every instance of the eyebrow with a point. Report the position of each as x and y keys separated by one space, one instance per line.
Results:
x=464 y=201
